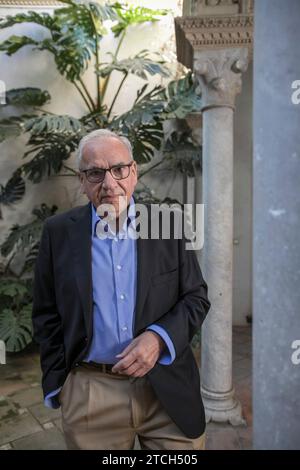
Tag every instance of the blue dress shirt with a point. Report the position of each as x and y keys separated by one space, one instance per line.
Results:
x=114 y=276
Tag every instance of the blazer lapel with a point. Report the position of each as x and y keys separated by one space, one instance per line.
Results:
x=79 y=229
x=145 y=252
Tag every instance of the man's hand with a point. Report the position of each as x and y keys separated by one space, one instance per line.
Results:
x=140 y=356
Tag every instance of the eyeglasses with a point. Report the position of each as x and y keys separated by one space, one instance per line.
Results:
x=97 y=175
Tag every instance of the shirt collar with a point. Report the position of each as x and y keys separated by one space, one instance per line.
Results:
x=130 y=219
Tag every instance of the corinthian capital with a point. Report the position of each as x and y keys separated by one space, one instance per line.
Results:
x=219 y=74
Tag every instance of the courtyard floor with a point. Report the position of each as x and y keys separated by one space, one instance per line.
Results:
x=25 y=423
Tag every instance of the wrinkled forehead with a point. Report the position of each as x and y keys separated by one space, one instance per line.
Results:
x=105 y=152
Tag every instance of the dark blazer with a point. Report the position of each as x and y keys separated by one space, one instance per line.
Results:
x=171 y=292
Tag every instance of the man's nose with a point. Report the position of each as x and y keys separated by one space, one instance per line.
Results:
x=109 y=181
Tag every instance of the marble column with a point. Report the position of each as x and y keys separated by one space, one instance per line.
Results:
x=219 y=74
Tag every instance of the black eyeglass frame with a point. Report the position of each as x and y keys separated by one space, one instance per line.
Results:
x=128 y=165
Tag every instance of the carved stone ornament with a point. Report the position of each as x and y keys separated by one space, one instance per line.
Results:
x=219 y=75
x=207 y=32
x=29 y=3
x=217 y=7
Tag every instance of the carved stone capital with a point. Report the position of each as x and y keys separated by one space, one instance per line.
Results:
x=202 y=33
x=219 y=75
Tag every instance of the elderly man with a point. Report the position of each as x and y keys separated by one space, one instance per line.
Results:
x=114 y=316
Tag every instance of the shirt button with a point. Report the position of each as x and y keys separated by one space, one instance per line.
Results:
x=124 y=328
x=122 y=296
x=119 y=267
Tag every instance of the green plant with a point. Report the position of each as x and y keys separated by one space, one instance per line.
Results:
x=15 y=314
x=74 y=35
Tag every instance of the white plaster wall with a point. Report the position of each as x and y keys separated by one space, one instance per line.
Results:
x=37 y=69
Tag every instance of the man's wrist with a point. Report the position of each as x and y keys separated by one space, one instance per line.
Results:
x=161 y=343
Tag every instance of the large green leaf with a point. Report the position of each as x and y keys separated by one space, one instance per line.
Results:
x=145 y=111
x=144 y=138
x=87 y=15
x=181 y=98
x=26 y=236
x=12 y=289
x=130 y=15
x=72 y=49
x=21 y=236
x=139 y=65
x=13 y=191
x=31 y=258
x=10 y=127
x=14 y=43
x=49 y=123
x=43 y=19
x=16 y=328
x=27 y=97
x=49 y=151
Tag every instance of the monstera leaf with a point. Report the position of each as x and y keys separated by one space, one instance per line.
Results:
x=27 y=97
x=13 y=191
x=48 y=123
x=16 y=328
x=22 y=237
x=181 y=98
x=130 y=15
x=140 y=65
x=42 y=19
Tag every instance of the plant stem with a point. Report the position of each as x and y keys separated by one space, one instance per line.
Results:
x=113 y=59
x=87 y=93
x=116 y=95
x=70 y=169
x=7 y=266
x=150 y=169
x=97 y=63
x=45 y=112
x=83 y=97
x=98 y=76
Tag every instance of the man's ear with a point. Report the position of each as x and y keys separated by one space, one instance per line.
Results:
x=81 y=180
x=135 y=168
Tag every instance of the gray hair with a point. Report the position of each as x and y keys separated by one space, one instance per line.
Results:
x=101 y=134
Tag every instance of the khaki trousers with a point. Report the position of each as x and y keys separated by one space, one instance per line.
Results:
x=107 y=411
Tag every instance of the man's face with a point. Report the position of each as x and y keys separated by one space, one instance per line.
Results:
x=105 y=153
